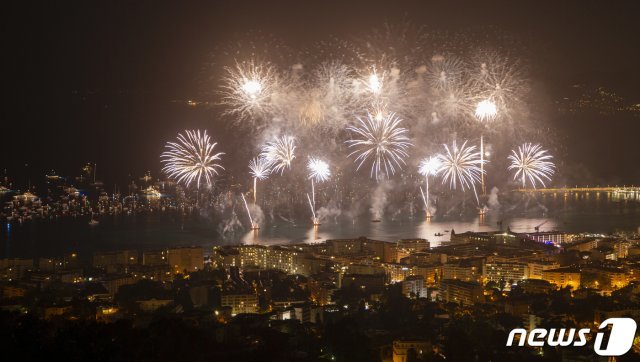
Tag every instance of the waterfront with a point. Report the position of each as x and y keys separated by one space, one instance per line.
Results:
x=575 y=214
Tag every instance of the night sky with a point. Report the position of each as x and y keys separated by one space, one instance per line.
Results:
x=93 y=81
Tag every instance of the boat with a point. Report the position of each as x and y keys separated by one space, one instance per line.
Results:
x=93 y=221
x=376 y=220
x=438 y=234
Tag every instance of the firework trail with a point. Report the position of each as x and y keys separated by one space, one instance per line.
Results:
x=531 y=162
x=313 y=211
x=260 y=169
x=428 y=166
x=486 y=110
x=191 y=158
x=380 y=140
x=254 y=225
x=280 y=153
x=318 y=172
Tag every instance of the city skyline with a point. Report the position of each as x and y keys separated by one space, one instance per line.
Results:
x=394 y=181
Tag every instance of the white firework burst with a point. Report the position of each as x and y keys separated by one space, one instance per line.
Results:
x=280 y=153
x=486 y=110
x=445 y=72
x=192 y=158
x=318 y=169
x=248 y=89
x=429 y=166
x=499 y=78
x=533 y=163
x=259 y=168
x=380 y=140
x=460 y=166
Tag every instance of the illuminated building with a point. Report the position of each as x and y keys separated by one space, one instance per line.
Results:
x=154 y=257
x=583 y=245
x=378 y=250
x=14 y=268
x=424 y=258
x=225 y=258
x=13 y=291
x=484 y=237
x=307 y=313
x=240 y=302
x=321 y=290
x=108 y=314
x=401 y=349
x=369 y=282
x=428 y=272
x=537 y=267
x=397 y=272
x=616 y=277
x=187 y=259
x=113 y=282
x=563 y=277
x=151 y=305
x=108 y=259
x=507 y=271
x=548 y=237
x=621 y=248
x=466 y=269
x=461 y=292
x=364 y=269
x=406 y=247
x=161 y=272
x=414 y=286
x=288 y=259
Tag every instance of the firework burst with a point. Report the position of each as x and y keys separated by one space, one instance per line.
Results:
x=486 y=110
x=531 y=163
x=380 y=140
x=248 y=89
x=500 y=79
x=460 y=166
x=260 y=168
x=428 y=166
x=318 y=170
x=280 y=153
x=445 y=72
x=192 y=158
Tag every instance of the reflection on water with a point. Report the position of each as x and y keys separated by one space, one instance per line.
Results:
x=435 y=230
x=595 y=212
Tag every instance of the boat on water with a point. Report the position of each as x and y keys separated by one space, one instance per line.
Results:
x=438 y=234
x=93 y=221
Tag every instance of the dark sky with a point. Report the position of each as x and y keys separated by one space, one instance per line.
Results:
x=91 y=81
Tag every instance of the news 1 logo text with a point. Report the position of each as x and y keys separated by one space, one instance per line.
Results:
x=621 y=334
